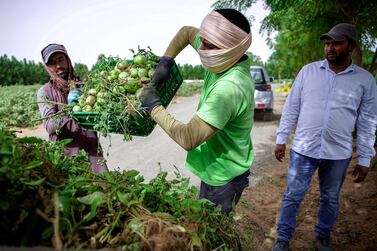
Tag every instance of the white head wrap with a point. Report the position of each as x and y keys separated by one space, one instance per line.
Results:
x=232 y=41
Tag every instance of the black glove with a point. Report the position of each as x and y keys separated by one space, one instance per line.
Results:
x=162 y=71
x=149 y=98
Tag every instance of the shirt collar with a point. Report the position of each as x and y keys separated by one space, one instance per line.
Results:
x=325 y=65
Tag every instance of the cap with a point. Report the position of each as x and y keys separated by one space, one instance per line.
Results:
x=51 y=49
x=341 y=32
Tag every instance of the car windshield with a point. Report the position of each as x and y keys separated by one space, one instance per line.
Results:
x=257 y=76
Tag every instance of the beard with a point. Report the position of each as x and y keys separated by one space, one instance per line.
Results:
x=337 y=59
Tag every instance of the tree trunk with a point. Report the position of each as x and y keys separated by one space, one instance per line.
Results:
x=373 y=64
x=349 y=12
x=357 y=56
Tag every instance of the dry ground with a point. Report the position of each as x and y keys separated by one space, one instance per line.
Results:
x=356 y=227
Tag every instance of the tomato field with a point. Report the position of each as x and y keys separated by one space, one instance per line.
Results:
x=18 y=107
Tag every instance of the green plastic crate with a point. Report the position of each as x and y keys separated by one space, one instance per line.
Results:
x=138 y=125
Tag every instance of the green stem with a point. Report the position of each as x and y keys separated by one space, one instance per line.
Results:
x=49 y=116
x=91 y=180
x=103 y=231
x=50 y=102
x=115 y=223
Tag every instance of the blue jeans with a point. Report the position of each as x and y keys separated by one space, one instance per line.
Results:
x=331 y=175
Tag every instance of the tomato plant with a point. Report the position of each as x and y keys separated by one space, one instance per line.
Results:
x=47 y=199
x=110 y=89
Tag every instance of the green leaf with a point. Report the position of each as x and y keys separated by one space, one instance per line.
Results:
x=3 y=169
x=4 y=205
x=65 y=141
x=132 y=173
x=33 y=164
x=6 y=149
x=65 y=200
x=133 y=202
x=93 y=209
x=30 y=140
x=91 y=198
x=47 y=233
x=34 y=182
x=124 y=197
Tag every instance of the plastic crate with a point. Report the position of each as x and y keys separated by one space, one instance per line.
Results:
x=140 y=124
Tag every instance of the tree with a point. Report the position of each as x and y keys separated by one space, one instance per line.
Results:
x=23 y=72
x=307 y=20
x=255 y=60
x=300 y=23
x=191 y=72
x=240 y=5
x=81 y=71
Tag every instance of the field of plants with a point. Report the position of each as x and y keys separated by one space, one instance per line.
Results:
x=18 y=107
x=50 y=200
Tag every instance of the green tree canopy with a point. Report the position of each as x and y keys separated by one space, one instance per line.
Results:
x=81 y=71
x=299 y=23
x=255 y=60
x=21 y=72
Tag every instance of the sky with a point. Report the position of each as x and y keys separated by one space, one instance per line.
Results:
x=88 y=28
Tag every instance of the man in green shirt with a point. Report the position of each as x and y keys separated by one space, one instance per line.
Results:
x=217 y=138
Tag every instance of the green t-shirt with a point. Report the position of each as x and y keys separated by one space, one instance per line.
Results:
x=227 y=103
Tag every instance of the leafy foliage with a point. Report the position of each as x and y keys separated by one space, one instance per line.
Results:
x=110 y=98
x=24 y=72
x=190 y=89
x=15 y=72
x=81 y=70
x=18 y=106
x=300 y=23
x=240 y=5
x=255 y=60
x=191 y=72
x=47 y=199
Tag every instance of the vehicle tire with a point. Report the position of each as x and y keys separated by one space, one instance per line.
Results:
x=268 y=115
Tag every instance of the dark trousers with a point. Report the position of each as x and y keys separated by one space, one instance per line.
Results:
x=227 y=194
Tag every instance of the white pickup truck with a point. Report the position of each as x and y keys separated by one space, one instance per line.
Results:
x=263 y=95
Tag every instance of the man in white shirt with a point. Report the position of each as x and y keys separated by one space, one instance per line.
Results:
x=327 y=100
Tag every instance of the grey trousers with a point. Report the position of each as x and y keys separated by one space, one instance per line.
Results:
x=227 y=194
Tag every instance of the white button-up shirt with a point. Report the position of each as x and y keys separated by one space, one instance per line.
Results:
x=325 y=107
